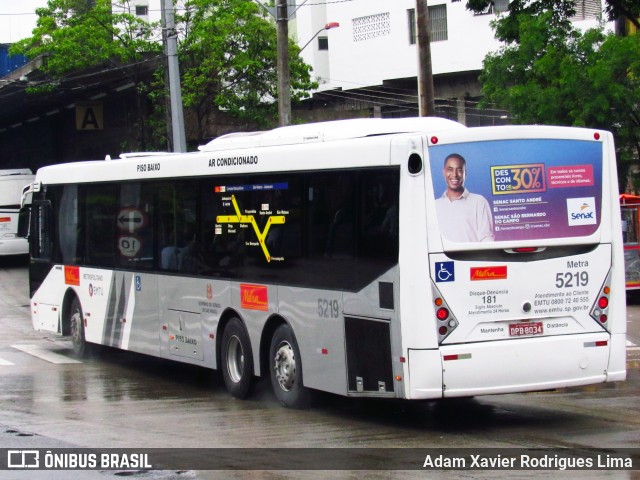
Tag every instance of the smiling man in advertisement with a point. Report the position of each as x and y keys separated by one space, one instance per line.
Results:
x=463 y=216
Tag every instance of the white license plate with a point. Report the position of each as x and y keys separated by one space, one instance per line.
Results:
x=522 y=329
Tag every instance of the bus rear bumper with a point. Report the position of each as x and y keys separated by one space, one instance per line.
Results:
x=519 y=365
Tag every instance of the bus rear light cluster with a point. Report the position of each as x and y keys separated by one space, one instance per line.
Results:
x=600 y=309
x=446 y=321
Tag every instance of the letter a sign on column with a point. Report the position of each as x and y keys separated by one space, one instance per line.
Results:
x=89 y=116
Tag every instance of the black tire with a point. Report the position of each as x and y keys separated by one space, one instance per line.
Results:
x=285 y=365
x=236 y=360
x=76 y=329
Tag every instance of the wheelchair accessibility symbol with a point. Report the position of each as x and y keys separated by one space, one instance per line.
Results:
x=445 y=272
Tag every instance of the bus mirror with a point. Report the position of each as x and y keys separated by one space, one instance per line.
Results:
x=23 y=221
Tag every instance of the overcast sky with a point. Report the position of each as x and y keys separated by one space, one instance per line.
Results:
x=18 y=18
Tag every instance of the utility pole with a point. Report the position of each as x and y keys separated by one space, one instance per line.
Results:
x=284 y=75
x=426 y=91
x=167 y=90
x=177 y=114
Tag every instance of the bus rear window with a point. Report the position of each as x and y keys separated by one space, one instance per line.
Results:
x=517 y=189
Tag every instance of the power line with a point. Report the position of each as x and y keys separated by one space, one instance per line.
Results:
x=378 y=99
x=409 y=95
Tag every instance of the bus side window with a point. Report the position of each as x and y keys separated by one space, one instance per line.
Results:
x=69 y=225
x=101 y=225
x=177 y=229
x=332 y=207
x=379 y=220
x=630 y=224
x=41 y=244
x=223 y=252
x=135 y=221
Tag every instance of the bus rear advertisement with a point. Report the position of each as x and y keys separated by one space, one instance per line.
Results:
x=407 y=258
x=553 y=280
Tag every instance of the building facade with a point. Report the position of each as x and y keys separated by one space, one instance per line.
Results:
x=371 y=59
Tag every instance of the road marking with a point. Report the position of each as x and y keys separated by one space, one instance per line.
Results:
x=631 y=344
x=5 y=363
x=45 y=354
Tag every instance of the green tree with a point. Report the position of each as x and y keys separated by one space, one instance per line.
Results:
x=626 y=9
x=228 y=62
x=554 y=74
x=74 y=35
x=561 y=9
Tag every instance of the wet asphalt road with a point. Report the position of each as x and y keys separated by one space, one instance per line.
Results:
x=115 y=399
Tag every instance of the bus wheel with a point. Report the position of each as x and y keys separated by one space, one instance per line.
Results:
x=286 y=369
x=76 y=329
x=237 y=360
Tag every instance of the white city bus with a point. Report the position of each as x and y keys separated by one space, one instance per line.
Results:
x=12 y=182
x=315 y=255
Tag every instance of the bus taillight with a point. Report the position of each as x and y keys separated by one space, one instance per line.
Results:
x=603 y=302
x=600 y=310
x=446 y=320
